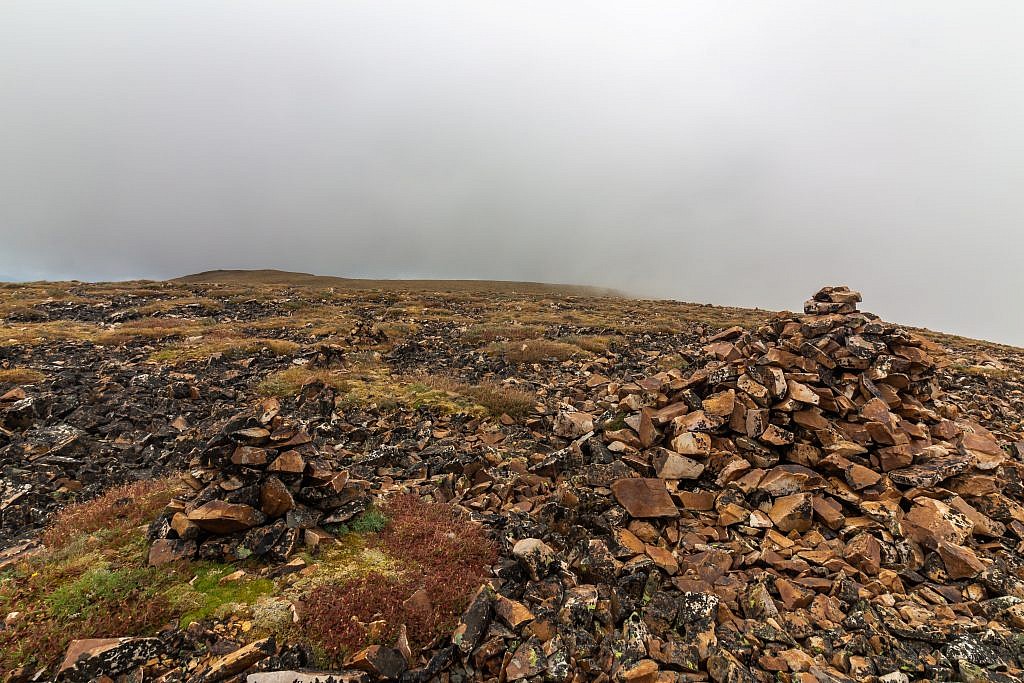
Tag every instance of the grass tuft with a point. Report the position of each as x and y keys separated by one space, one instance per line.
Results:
x=980 y=371
x=90 y=580
x=20 y=376
x=496 y=398
x=288 y=382
x=535 y=350
x=228 y=347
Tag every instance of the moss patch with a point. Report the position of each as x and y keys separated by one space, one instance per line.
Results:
x=205 y=595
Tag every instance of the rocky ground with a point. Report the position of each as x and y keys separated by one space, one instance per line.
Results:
x=243 y=481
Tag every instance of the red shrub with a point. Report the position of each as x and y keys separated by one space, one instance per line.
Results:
x=436 y=549
x=120 y=509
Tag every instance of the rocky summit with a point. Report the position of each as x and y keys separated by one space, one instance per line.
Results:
x=288 y=484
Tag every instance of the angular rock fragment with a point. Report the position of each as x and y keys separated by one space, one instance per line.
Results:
x=792 y=512
x=644 y=498
x=381 y=662
x=220 y=517
x=87 y=659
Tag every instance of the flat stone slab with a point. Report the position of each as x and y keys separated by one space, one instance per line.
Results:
x=644 y=498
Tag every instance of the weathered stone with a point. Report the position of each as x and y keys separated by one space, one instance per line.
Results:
x=342 y=676
x=931 y=521
x=382 y=662
x=528 y=660
x=644 y=498
x=87 y=659
x=474 y=622
x=793 y=512
x=249 y=455
x=535 y=555
x=692 y=443
x=572 y=425
x=275 y=498
x=670 y=465
x=220 y=517
x=183 y=527
x=166 y=550
x=289 y=462
x=960 y=561
x=238 y=661
x=865 y=553
x=514 y=614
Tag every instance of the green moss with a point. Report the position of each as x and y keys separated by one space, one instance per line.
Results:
x=205 y=595
x=98 y=588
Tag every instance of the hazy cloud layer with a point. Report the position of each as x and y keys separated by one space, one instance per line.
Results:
x=737 y=153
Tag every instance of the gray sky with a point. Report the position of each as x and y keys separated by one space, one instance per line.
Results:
x=731 y=152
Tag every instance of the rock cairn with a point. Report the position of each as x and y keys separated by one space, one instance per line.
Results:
x=802 y=508
x=260 y=488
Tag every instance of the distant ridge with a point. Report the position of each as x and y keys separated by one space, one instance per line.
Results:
x=284 y=277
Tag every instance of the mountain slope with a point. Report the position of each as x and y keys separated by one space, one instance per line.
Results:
x=283 y=277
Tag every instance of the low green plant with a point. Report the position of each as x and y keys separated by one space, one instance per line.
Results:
x=205 y=595
x=372 y=521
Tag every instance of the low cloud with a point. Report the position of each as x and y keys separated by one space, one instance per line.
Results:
x=736 y=153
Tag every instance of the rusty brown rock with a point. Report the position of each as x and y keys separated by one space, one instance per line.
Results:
x=572 y=425
x=250 y=455
x=289 y=462
x=383 y=662
x=692 y=443
x=793 y=512
x=961 y=562
x=220 y=517
x=931 y=521
x=166 y=550
x=670 y=465
x=644 y=498
x=275 y=498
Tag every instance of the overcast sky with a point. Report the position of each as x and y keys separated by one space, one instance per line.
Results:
x=730 y=152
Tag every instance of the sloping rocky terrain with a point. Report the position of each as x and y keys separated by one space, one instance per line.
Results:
x=491 y=485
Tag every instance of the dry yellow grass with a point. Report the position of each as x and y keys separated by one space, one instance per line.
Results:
x=20 y=376
x=227 y=346
x=535 y=350
x=151 y=328
x=594 y=343
x=480 y=333
x=979 y=371
x=33 y=333
x=496 y=398
x=378 y=387
x=288 y=382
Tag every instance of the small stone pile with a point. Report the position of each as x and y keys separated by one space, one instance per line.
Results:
x=260 y=488
x=804 y=507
